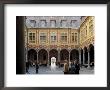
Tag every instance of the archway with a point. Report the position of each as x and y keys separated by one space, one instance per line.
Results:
x=91 y=52
x=74 y=55
x=53 y=53
x=64 y=55
x=32 y=55
x=85 y=55
x=43 y=57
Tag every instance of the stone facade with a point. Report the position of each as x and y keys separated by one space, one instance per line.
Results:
x=67 y=37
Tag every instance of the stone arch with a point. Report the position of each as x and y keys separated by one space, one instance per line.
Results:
x=74 y=54
x=91 y=53
x=64 y=55
x=85 y=55
x=53 y=53
x=43 y=57
x=32 y=55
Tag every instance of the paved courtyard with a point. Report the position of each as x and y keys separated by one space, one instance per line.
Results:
x=47 y=70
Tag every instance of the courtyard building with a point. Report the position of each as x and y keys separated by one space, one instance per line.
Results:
x=63 y=37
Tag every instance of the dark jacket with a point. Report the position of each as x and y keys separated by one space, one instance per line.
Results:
x=74 y=69
x=37 y=66
x=77 y=66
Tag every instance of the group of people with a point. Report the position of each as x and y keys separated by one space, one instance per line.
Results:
x=71 y=68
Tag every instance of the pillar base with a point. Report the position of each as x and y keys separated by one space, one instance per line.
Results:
x=89 y=67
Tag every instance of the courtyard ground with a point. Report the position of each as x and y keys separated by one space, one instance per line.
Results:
x=47 y=70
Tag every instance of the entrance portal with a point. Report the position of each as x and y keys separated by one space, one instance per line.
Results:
x=43 y=57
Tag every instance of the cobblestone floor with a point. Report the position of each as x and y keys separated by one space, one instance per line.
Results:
x=47 y=70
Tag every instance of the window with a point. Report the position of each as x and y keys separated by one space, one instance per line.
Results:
x=63 y=37
x=53 y=37
x=43 y=23
x=91 y=22
x=53 y=23
x=91 y=26
x=75 y=37
x=63 y=23
x=86 y=30
x=73 y=23
x=33 y=23
x=72 y=37
x=31 y=37
x=42 y=37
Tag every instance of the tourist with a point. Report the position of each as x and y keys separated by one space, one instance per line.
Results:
x=77 y=66
x=37 y=67
x=66 y=67
x=59 y=64
x=72 y=69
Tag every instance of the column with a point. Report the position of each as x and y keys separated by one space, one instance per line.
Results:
x=58 y=55
x=37 y=57
x=69 y=56
x=59 y=58
x=20 y=60
x=88 y=59
x=69 y=60
x=83 y=57
x=26 y=52
x=48 y=58
x=80 y=57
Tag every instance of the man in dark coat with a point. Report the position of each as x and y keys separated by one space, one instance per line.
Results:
x=75 y=67
x=37 y=67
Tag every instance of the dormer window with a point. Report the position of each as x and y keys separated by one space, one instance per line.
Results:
x=73 y=23
x=43 y=23
x=33 y=23
x=53 y=23
x=63 y=23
